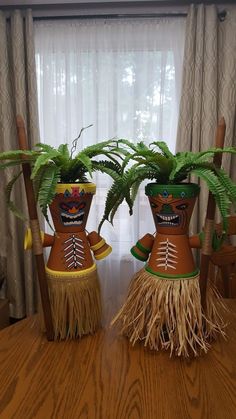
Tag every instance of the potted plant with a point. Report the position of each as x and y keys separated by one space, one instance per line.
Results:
x=163 y=306
x=61 y=184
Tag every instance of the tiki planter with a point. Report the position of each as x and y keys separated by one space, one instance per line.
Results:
x=170 y=304
x=163 y=307
x=71 y=272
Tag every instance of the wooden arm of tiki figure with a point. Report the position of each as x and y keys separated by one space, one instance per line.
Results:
x=47 y=239
x=98 y=245
x=143 y=247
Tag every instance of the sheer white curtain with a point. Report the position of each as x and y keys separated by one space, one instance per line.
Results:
x=124 y=77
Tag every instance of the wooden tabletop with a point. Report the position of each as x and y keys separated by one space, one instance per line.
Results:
x=103 y=377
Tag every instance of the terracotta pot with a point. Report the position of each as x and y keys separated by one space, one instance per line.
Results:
x=71 y=271
x=163 y=307
x=71 y=205
x=172 y=207
x=70 y=208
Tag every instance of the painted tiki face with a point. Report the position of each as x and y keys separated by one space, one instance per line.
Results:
x=70 y=207
x=172 y=206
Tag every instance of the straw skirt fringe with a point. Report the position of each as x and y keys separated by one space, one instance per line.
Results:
x=75 y=304
x=167 y=314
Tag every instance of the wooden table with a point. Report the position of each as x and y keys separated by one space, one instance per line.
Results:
x=103 y=377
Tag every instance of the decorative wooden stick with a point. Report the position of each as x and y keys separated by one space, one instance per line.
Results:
x=210 y=216
x=34 y=223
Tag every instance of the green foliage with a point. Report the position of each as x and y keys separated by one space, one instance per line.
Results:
x=47 y=188
x=128 y=165
x=156 y=162
x=10 y=203
x=50 y=165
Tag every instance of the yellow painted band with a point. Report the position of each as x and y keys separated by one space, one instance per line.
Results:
x=86 y=187
x=103 y=254
x=72 y=273
x=28 y=241
x=98 y=245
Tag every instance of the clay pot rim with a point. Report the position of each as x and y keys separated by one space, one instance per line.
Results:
x=178 y=190
x=89 y=187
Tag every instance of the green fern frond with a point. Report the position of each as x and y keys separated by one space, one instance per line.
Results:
x=183 y=173
x=126 y=161
x=164 y=148
x=112 y=156
x=15 y=163
x=203 y=155
x=45 y=148
x=229 y=185
x=128 y=143
x=183 y=161
x=217 y=189
x=95 y=149
x=43 y=160
x=64 y=151
x=15 y=154
x=115 y=208
x=10 y=203
x=118 y=147
x=38 y=179
x=47 y=189
x=186 y=160
x=113 y=196
x=86 y=161
x=141 y=146
x=141 y=176
x=119 y=191
x=113 y=169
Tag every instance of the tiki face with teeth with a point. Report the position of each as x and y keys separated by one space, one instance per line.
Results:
x=72 y=213
x=70 y=208
x=172 y=207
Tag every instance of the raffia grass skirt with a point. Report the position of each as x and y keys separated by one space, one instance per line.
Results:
x=167 y=314
x=75 y=303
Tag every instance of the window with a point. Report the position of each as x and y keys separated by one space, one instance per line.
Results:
x=124 y=77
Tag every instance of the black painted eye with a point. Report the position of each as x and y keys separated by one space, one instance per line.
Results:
x=153 y=205
x=182 y=206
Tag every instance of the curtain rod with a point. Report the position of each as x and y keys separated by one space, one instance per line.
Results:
x=112 y=16
x=221 y=16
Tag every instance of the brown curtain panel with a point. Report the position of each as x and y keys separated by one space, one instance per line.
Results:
x=208 y=88
x=18 y=95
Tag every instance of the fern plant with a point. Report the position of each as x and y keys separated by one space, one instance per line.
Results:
x=50 y=165
x=156 y=162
